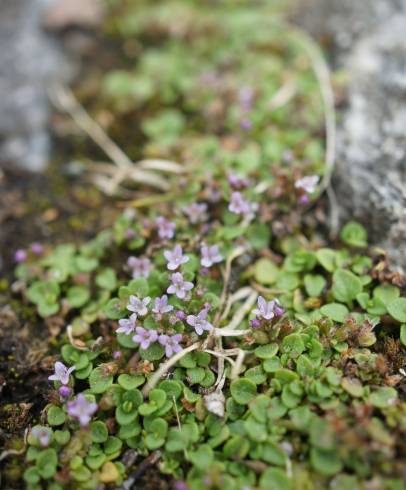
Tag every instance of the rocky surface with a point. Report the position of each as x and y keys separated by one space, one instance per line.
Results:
x=29 y=60
x=370 y=180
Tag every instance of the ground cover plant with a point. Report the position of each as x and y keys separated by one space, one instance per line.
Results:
x=214 y=332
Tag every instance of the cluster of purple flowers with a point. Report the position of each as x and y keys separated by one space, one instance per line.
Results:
x=266 y=311
x=21 y=254
x=79 y=408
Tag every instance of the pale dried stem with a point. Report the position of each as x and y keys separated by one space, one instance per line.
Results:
x=164 y=368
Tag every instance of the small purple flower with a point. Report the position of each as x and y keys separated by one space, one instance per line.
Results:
x=81 y=409
x=196 y=212
x=127 y=325
x=138 y=306
x=180 y=485
x=61 y=373
x=255 y=323
x=43 y=435
x=278 y=308
x=37 y=248
x=161 y=305
x=210 y=256
x=171 y=343
x=145 y=337
x=140 y=267
x=239 y=205
x=265 y=309
x=245 y=124
x=179 y=286
x=117 y=354
x=65 y=391
x=199 y=322
x=166 y=228
x=20 y=256
x=130 y=234
x=237 y=182
x=304 y=199
x=181 y=315
x=246 y=95
x=308 y=183
x=175 y=257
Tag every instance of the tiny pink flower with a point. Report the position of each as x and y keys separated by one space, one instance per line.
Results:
x=20 y=256
x=127 y=325
x=196 y=212
x=37 y=248
x=175 y=257
x=43 y=435
x=166 y=228
x=179 y=286
x=140 y=267
x=199 y=322
x=145 y=337
x=161 y=305
x=171 y=344
x=239 y=205
x=308 y=183
x=61 y=373
x=138 y=306
x=267 y=309
x=81 y=409
x=210 y=256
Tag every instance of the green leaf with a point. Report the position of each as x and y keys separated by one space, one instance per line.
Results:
x=387 y=294
x=266 y=351
x=354 y=234
x=258 y=234
x=129 y=382
x=99 y=431
x=403 y=334
x=265 y=271
x=346 y=285
x=314 y=284
x=325 y=461
x=107 y=279
x=77 y=296
x=293 y=345
x=397 y=309
x=171 y=388
x=153 y=353
x=383 y=397
x=202 y=458
x=243 y=391
x=275 y=479
x=326 y=258
x=335 y=311
x=99 y=381
x=139 y=287
x=56 y=416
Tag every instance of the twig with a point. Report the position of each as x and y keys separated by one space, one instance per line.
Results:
x=237 y=296
x=65 y=100
x=177 y=412
x=283 y=95
x=238 y=363
x=241 y=312
x=163 y=368
x=236 y=253
x=15 y=452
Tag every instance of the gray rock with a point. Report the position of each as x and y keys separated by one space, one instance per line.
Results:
x=29 y=60
x=370 y=180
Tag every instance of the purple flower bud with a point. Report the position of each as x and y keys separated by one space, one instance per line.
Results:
x=204 y=271
x=180 y=485
x=65 y=391
x=246 y=124
x=20 y=256
x=130 y=234
x=117 y=354
x=37 y=248
x=304 y=199
x=181 y=315
x=255 y=323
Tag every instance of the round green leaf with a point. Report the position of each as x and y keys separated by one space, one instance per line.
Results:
x=397 y=309
x=243 y=391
